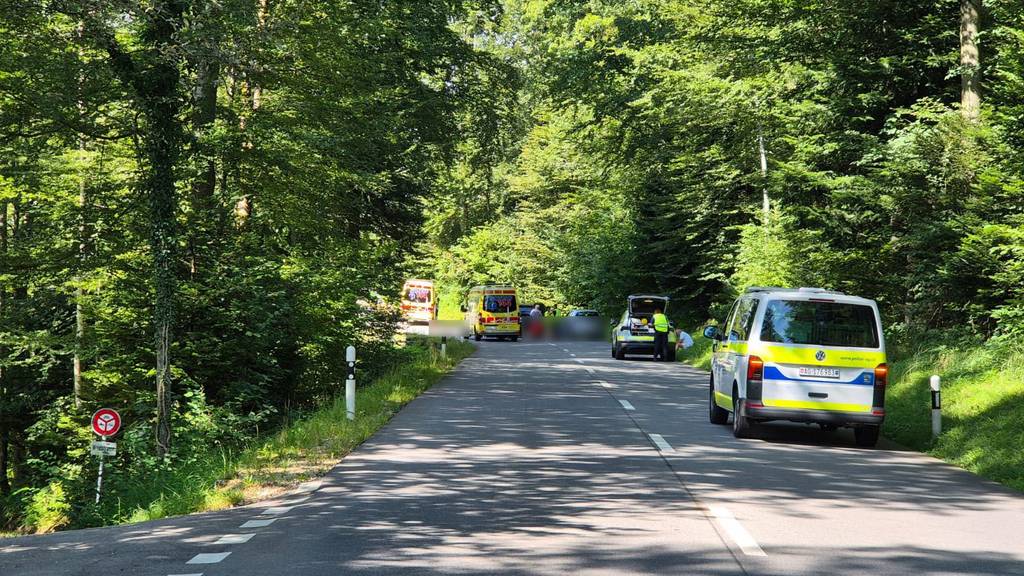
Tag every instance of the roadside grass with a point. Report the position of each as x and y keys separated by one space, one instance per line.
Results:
x=982 y=407
x=303 y=450
x=982 y=403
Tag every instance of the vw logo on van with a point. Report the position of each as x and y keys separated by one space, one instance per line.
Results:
x=820 y=356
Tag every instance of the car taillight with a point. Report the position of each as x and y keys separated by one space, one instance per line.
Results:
x=755 y=368
x=882 y=375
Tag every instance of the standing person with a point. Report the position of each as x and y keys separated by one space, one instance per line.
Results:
x=660 y=335
x=536 y=321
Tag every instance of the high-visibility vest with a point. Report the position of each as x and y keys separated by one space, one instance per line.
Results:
x=660 y=323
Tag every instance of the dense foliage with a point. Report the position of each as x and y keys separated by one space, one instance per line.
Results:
x=201 y=205
x=637 y=167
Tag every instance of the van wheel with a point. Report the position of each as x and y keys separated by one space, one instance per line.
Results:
x=866 y=436
x=742 y=427
x=718 y=414
x=477 y=337
x=620 y=354
x=514 y=338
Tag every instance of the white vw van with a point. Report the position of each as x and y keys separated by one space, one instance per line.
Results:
x=804 y=355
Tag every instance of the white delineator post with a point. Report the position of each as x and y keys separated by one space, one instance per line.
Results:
x=350 y=383
x=936 y=407
x=444 y=347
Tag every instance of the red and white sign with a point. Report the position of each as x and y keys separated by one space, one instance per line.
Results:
x=106 y=422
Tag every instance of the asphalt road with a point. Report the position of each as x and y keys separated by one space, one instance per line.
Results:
x=538 y=458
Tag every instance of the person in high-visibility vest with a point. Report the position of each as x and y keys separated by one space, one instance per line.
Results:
x=660 y=335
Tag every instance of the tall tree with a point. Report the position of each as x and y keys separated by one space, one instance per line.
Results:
x=970 y=59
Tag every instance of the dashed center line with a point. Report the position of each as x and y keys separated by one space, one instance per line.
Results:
x=258 y=523
x=626 y=405
x=661 y=443
x=196 y=574
x=209 y=558
x=736 y=531
x=277 y=510
x=234 y=539
x=605 y=384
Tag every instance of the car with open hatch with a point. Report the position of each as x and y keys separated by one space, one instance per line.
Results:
x=803 y=355
x=633 y=333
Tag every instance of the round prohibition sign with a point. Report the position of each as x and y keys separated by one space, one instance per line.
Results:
x=106 y=422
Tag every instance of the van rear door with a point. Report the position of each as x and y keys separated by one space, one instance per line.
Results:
x=820 y=354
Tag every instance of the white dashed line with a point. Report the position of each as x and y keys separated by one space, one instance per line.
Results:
x=577 y=360
x=197 y=574
x=573 y=355
x=258 y=523
x=660 y=442
x=234 y=539
x=626 y=405
x=277 y=510
x=737 y=532
x=605 y=384
x=209 y=558
x=591 y=371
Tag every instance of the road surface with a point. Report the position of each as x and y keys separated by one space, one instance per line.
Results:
x=541 y=458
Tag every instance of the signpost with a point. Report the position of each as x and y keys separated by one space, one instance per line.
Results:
x=105 y=422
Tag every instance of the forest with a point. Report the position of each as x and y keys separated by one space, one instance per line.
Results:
x=203 y=203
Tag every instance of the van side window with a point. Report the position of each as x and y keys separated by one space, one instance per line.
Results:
x=729 y=319
x=743 y=321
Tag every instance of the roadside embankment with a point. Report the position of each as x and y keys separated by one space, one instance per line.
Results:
x=217 y=477
x=982 y=401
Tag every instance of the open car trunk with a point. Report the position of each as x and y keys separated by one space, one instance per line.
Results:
x=644 y=306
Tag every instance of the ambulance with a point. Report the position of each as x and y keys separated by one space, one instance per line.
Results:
x=802 y=355
x=419 y=301
x=492 y=311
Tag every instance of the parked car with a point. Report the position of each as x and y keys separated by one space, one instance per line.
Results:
x=804 y=355
x=634 y=332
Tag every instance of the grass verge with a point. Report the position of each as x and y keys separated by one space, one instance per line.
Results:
x=982 y=397
x=306 y=449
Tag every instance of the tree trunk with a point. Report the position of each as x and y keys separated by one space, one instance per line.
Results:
x=970 y=60
x=5 y=441
x=83 y=202
x=162 y=151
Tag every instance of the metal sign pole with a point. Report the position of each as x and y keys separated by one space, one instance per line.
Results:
x=99 y=479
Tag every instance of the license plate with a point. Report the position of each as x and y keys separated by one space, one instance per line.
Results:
x=820 y=372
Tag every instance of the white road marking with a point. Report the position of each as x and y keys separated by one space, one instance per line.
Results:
x=626 y=405
x=660 y=442
x=197 y=574
x=577 y=360
x=573 y=355
x=234 y=539
x=606 y=384
x=209 y=558
x=258 y=523
x=736 y=531
x=277 y=510
x=591 y=370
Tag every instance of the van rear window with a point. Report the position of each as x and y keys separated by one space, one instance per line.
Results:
x=500 y=303
x=820 y=324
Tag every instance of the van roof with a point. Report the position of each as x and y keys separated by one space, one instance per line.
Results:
x=808 y=292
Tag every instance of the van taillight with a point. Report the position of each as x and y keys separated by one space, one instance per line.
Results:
x=882 y=375
x=755 y=368
x=881 y=382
